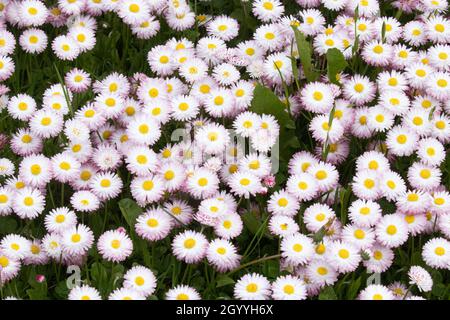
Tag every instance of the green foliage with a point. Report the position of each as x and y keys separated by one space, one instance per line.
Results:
x=305 y=52
x=335 y=64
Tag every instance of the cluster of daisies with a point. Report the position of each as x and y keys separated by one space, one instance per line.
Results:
x=221 y=153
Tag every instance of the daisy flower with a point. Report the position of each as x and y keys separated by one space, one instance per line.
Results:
x=60 y=219
x=202 y=183
x=182 y=292
x=288 y=288
x=6 y=200
x=436 y=253
x=65 y=47
x=7 y=67
x=343 y=256
x=144 y=130
x=140 y=279
x=317 y=215
x=77 y=240
x=391 y=231
x=244 y=184
x=297 y=249
x=421 y=278
x=147 y=189
x=321 y=273
x=282 y=226
x=222 y=254
x=32 y=12
x=28 y=203
x=125 y=294
x=223 y=27
x=15 y=246
x=283 y=203
x=21 y=107
x=10 y=267
x=317 y=97
x=364 y=213
x=106 y=185
x=115 y=246
x=46 y=123
x=133 y=11
x=252 y=286
x=77 y=80
x=380 y=259
x=84 y=292
x=33 y=41
x=190 y=246
x=229 y=226
x=376 y=292
x=154 y=224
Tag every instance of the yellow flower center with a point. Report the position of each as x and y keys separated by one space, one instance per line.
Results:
x=189 y=243
x=322 y=271
x=46 y=121
x=134 y=8
x=152 y=223
x=321 y=175
x=439 y=251
x=359 y=234
x=391 y=230
x=64 y=166
x=147 y=185
x=288 y=289
x=105 y=183
x=378 y=49
x=76 y=238
x=425 y=173
x=36 y=169
x=343 y=253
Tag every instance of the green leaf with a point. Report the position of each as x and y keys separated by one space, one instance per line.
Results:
x=266 y=102
x=39 y=289
x=272 y=268
x=328 y=294
x=223 y=280
x=354 y=288
x=304 y=51
x=251 y=222
x=335 y=64
x=7 y=225
x=61 y=290
x=99 y=275
x=439 y=290
x=130 y=211
x=383 y=32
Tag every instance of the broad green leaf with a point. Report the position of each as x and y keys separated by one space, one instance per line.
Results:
x=130 y=210
x=7 y=225
x=305 y=53
x=251 y=222
x=328 y=294
x=272 y=268
x=335 y=64
x=37 y=294
x=439 y=290
x=354 y=288
x=99 y=275
x=61 y=290
x=224 y=280
x=38 y=290
x=266 y=102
